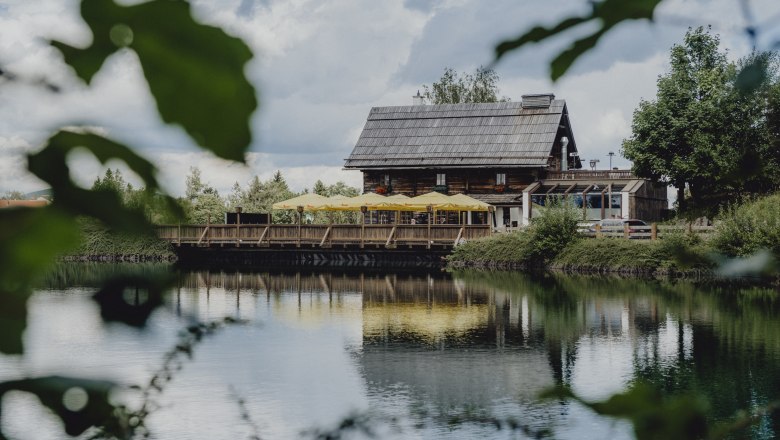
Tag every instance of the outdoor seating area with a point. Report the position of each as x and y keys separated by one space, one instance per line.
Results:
x=432 y=207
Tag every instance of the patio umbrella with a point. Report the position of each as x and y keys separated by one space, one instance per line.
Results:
x=437 y=200
x=309 y=202
x=466 y=203
x=369 y=200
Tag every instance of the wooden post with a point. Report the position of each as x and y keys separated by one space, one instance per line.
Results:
x=300 y=220
x=178 y=235
x=626 y=231
x=208 y=224
x=653 y=231
x=430 y=217
x=598 y=230
x=238 y=226
x=363 y=210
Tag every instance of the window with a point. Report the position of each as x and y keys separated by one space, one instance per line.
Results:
x=386 y=180
x=501 y=179
x=441 y=179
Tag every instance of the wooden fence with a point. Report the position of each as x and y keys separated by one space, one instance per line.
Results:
x=649 y=232
x=321 y=236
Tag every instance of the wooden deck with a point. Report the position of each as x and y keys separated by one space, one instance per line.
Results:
x=322 y=236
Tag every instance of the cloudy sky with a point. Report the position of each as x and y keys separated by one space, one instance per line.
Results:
x=320 y=65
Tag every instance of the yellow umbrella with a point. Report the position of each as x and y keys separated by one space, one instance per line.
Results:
x=369 y=200
x=309 y=202
x=437 y=200
x=398 y=197
x=467 y=203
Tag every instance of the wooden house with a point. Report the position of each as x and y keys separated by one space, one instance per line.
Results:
x=490 y=151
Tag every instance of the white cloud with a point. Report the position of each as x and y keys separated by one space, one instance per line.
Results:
x=320 y=67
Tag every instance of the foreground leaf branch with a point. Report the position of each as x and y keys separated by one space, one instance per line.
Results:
x=194 y=71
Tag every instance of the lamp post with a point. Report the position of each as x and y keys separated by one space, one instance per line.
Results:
x=610 y=154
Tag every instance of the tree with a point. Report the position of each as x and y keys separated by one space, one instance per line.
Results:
x=455 y=88
x=703 y=133
x=13 y=195
x=193 y=185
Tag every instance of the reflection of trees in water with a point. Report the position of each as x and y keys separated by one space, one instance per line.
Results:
x=723 y=342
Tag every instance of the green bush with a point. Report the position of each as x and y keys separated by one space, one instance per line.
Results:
x=98 y=241
x=611 y=253
x=535 y=246
x=551 y=232
x=743 y=229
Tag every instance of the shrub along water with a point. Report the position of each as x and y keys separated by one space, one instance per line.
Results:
x=552 y=241
x=535 y=246
x=101 y=244
x=746 y=228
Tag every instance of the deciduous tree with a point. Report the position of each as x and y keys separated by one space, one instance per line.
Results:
x=703 y=133
x=457 y=88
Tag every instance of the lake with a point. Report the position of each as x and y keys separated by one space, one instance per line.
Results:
x=412 y=354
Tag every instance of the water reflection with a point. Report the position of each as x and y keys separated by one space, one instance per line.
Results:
x=441 y=353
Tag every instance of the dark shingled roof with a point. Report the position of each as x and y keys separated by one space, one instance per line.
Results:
x=459 y=135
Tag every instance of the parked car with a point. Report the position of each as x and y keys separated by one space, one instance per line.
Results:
x=617 y=224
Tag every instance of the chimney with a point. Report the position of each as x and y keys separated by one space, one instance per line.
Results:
x=564 y=153
x=418 y=99
x=538 y=101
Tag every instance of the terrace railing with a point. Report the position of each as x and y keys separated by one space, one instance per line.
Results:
x=321 y=236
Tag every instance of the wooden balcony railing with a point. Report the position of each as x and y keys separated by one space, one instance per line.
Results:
x=321 y=236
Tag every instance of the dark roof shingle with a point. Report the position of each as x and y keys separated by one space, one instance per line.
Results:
x=461 y=135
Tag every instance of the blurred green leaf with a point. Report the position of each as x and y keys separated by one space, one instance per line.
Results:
x=80 y=403
x=654 y=416
x=131 y=299
x=50 y=165
x=194 y=71
x=755 y=71
x=30 y=241
x=609 y=12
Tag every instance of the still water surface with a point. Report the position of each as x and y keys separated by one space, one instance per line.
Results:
x=423 y=355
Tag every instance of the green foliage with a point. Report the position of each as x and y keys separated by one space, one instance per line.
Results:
x=654 y=416
x=99 y=241
x=194 y=71
x=337 y=189
x=704 y=132
x=607 y=13
x=744 y=229
x=548 y=235
x=31 y=239
x=552 y=231
x=611 y=254
x=259 y=196
x=79 y=403
x=456 y=88
x=195 y=74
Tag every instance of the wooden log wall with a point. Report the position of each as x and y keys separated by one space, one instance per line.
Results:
x=470 y=181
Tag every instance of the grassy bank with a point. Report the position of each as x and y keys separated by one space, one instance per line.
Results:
x=101 y=244
x=552 y=242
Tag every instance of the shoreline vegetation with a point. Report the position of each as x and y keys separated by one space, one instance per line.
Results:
x=746 y=242
x=99 y=244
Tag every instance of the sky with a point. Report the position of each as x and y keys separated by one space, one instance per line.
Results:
x=320 y=65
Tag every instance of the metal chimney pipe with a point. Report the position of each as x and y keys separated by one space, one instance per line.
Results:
x=564 y=153
x=418 y=99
